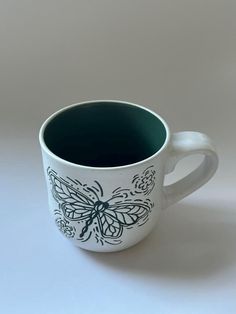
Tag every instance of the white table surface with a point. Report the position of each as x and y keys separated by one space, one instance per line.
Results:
x=175 y=57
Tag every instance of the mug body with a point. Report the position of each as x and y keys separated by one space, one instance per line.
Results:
x=104 y=165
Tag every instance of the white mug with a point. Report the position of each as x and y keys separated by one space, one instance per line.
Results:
x=105 y=162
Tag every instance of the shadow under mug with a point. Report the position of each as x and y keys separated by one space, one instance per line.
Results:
x=105 y=162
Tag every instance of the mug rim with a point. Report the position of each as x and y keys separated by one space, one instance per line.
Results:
x=66 y=162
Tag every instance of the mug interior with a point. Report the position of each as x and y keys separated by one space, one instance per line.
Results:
x=104 y=134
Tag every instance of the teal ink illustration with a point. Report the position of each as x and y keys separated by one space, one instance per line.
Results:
x=97 y=215
x=145 y=182
x=64 y=227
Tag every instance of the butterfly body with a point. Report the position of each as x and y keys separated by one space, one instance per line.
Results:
x=99 y=207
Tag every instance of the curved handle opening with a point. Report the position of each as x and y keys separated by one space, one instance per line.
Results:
x=184 y=144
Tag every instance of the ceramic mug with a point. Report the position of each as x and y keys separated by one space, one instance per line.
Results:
x=105 y=163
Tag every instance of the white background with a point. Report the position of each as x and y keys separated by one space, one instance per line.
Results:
x=177 y=58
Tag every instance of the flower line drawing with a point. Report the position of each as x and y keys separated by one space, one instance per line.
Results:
x=63 y=226
x=145 y=182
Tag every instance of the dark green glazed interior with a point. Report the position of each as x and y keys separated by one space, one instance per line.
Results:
x=104 y=134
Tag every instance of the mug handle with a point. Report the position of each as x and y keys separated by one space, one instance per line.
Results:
x=183 y=144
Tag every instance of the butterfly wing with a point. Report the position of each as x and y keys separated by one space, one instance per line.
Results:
x=109 y=227
x=117 y=216
x=75 y=204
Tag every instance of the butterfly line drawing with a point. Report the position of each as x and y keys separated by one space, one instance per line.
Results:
x=104 y=218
